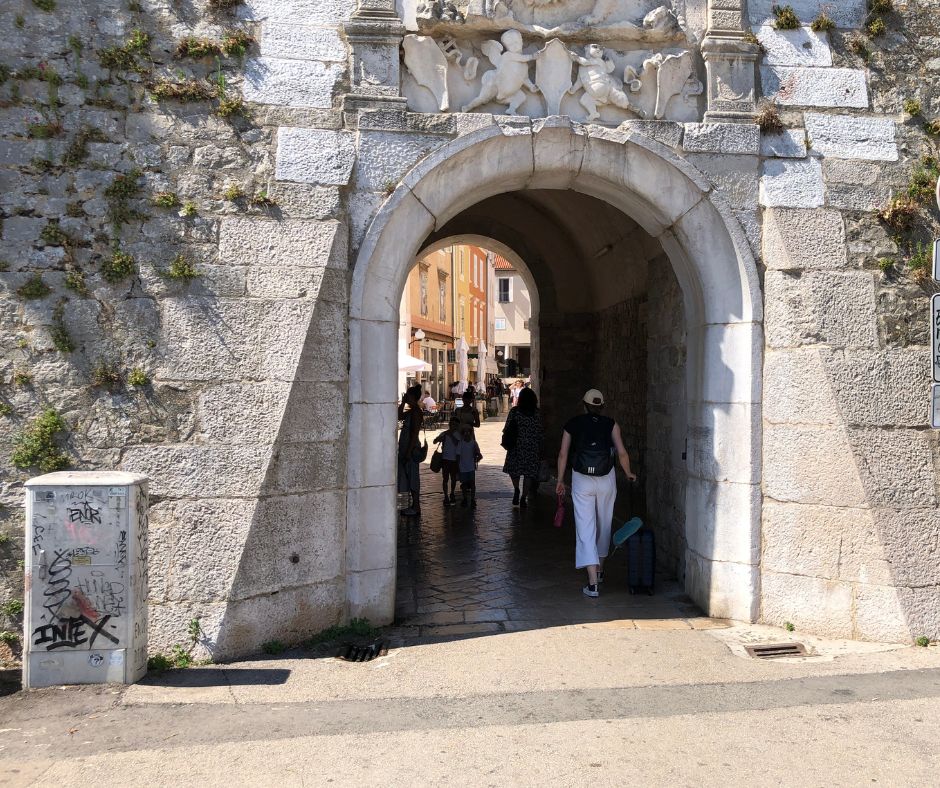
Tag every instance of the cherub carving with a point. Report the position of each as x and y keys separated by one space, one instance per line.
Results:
x=504 y=84
x=594 y=76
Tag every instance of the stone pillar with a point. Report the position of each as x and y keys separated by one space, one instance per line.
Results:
x=730 y=63
x=374 y=33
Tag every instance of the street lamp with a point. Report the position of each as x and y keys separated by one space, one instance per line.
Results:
x=419 y=334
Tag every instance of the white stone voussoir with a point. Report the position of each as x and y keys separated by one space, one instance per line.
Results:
x=721 y=138
x=318 y=156
x=803 y=86
x=852 y=137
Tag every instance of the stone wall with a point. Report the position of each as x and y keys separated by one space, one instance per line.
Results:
x=850 y=518
x=666 y=414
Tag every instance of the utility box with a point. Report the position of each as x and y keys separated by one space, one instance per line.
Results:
x=86 y=579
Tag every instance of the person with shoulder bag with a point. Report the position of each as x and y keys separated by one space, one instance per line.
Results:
x=410 y=452
x=522 y=439
x=593 y=444
x=450 y=442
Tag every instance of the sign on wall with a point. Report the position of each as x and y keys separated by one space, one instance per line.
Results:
x=935 y=406
x=935 y=335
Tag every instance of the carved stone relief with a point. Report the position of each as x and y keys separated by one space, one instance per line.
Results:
x=604 y=61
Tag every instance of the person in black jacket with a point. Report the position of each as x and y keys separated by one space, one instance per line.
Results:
x=591 y=441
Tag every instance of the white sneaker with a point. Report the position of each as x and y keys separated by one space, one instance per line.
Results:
x=590 y=590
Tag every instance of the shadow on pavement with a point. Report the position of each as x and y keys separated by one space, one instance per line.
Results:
x=217 y=677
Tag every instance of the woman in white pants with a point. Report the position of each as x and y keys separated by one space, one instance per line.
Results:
x=591 y=440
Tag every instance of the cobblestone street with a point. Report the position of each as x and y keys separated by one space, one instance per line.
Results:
x=499 y=568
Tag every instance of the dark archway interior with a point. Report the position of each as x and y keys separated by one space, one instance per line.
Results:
x=610 y=317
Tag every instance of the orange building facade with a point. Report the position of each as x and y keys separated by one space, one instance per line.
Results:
x=447 y=298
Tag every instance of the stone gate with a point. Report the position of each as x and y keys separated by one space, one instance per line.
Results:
x=695 y=191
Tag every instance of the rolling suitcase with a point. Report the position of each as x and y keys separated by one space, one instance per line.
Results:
x=641 y=561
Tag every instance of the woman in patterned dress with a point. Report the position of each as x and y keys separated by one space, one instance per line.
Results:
x=524 y=457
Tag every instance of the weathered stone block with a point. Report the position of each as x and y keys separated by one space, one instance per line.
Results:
x=265 y=412
x=896 y=466
x=306 y=467
x=301 y=42
x=826 y=542
x=294 y=540
x=306 y=201
x=385 y=157
x=723 y=443
x=721 y=138
x=800 y=86
x=315 y=156
x=820 y=307
x=190 y=471
x=791 y=184
x=880 y=614
x=371 y=543
x=811 y=464
x=810 y=603
x=797 y=389
x=300 y=12
x=291 y=83
x=786 y=144
x=909 y=540
x=846 y=13
x=234 y=339
x=800 y=47
x=22 y=229
x=305 y=244
x=880 y=388
x=852 y=137
x=800 y=239
x=207 y=540
x=291 y=616
x=722 y=519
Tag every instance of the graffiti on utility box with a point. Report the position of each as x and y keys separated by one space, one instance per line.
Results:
x=80 y=546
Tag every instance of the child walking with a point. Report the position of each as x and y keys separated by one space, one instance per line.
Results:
x=450 y=441
x=468 y=455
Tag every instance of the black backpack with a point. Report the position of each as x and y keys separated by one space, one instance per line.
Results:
x=593 y=451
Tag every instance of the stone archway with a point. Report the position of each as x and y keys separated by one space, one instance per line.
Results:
x=721 y=295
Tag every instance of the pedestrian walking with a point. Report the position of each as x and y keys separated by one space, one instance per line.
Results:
x=409 y=451
x=467 y=413
x=522 y=439
x=591 y=441
x=450 y=441
x=468 y=455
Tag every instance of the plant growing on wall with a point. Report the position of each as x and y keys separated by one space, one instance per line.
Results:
x=37 y=446
x=785 y=18
x=823 y=23
x=768 y=117
x=33 y=288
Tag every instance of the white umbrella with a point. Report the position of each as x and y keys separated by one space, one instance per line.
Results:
x=463 y=365
x=408 y=363
x=481 y=364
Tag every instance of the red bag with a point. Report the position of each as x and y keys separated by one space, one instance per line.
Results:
x=560 y=511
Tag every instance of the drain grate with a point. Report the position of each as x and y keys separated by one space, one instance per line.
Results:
x=351 y=652
x=775 y=650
